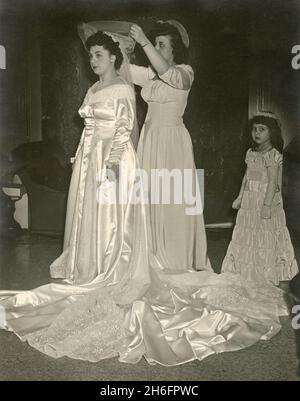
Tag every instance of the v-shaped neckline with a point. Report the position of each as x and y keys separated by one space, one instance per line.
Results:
x=107 y=86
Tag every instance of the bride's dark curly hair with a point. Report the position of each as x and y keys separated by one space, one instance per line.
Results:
x=102 y=39
x=180 y=51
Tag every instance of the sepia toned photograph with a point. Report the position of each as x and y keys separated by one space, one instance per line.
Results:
x=150 y=192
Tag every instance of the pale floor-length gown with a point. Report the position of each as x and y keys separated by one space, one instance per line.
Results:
x=114 y=302
x=99 y=234
x=177 y=239
x=261 y=249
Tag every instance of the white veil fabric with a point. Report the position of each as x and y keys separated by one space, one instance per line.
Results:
x=119 y=32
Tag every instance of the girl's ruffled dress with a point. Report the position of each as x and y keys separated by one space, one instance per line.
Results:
x=261 y=249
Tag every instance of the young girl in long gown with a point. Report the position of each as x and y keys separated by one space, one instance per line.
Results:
x=123 y=306
x=261 y=247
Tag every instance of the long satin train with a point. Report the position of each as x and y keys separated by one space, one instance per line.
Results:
x=181 y=317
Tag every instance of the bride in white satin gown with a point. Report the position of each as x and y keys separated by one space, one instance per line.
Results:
x=114 y=303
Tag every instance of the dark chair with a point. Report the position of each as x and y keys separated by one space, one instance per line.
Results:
x=7 y=205
x=45 y=172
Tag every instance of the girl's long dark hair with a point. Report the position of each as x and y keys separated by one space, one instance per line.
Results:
x=274 y=128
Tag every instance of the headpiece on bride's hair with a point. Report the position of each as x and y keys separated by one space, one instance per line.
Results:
x=119 y=32
x=181 y=30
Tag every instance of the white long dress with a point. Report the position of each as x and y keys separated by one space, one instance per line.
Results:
x=176 y=234
x=115 y=303
x=99 y=229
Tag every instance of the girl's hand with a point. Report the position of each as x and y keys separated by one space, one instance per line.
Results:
x=112 y=172
x=72 y=162
x=138 y=35
x=265 y=212
x=237 y=203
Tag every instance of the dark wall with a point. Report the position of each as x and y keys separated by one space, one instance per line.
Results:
x=63 y=86
x=20 y=90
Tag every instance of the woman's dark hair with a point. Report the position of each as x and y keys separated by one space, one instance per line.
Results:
x=180 y=51
x=102 y=39
x=274 y=128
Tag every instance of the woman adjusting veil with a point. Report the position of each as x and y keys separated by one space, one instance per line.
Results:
x=176 y=233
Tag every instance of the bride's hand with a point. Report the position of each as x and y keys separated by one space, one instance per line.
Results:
x=112 y=172
x=138 y=35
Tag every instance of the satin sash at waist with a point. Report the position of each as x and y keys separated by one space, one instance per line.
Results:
x=94 y=127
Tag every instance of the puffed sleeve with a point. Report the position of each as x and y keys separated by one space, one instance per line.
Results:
x=179 y=77
x=124 y=111
x=141 y=75
x=272 y=158
x=248 y=155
